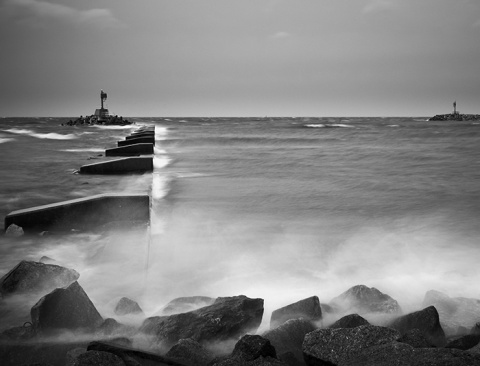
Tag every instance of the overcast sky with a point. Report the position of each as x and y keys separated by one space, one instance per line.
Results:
x=239 y=57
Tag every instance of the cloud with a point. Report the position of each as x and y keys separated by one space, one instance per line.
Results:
x=280 y=35
x=42 y=13
x=375 y=6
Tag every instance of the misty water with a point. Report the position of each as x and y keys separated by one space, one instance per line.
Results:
x=276 y=208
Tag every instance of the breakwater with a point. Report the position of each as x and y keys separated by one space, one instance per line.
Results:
x=455 y=117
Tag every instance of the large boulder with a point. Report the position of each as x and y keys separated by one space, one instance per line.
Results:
x=349 y=321
x=288 y=338
x=466 y=342
x=415 y=338
x=67 y=308
x=364 y=300
x=427 y=321
x=91 y=358
x=401 y=354
x=226 y=318
x=190 y=353
x=185 y=304
x=36 y=277
x=456 y=313
x=125 y=306
x=334 y=346
x=308 y=309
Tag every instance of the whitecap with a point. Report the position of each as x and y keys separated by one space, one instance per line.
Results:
x=317 y=125
x=103 y=127
x=340 y=125
x=2 y=140
x=84 y=150
x=393 y=125
x=160 y=162
x=50 y=135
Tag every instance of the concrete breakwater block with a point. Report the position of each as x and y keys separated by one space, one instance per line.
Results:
x=140 y=134
x=82 y=213
x=120 y=166
x=137 y=140
x=130 y=150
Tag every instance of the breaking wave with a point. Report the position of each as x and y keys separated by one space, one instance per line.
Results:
x=2 y=140
x=84 y=150
x=50 y=135
x=330 y=125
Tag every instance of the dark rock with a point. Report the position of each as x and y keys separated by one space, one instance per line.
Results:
x=416 y=339
x=455 y=117
x=133 y=357
x=349 y=321
x=65 y=308
x=465 y=342
x=308 y=309
x=95 y=358
x=475 y=329
x=401 y=354
x=291 y=360
x=251 y=347
x=186 y=304
x=364 y=300
x=333 y=346
x=227 y=318
x=14 y=231
x=125 y=306
x=426 y=321
x=72 y=355
x=454 y=312
x=23 y=333
x=289 y=337
x=33 y=277
x=189 y=352
x=475 y=350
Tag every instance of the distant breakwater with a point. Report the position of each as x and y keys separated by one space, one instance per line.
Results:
x=455 y=117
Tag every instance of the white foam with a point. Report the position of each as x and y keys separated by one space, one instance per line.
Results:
x=93 y=149
x=51 y=135
x=115 y=127
x=160 y=162
x=316 y=125
x=161 y=133
x=3 y=140
x=340 y=125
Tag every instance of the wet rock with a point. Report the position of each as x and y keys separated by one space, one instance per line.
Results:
x=334 y=346
x=465 y=342
x=14 y=231
x=34 y=277
x=427 y=321
x=125 y=306
x=454 y=312
x=288 y=337
x=364 y=300
x=72 y=355
x=186 y=304
x=416 y=339
x=401 y=354
x=227 y=318
x=94 y=358
x=65 y=308
x=189 y=352
x=308 y=309
x=349 y=321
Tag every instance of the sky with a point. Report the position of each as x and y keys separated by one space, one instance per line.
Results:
x=242 y=58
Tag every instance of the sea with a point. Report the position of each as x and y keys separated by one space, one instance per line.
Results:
x=274 y=208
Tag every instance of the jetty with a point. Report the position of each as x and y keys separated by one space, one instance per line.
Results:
x=455 y=116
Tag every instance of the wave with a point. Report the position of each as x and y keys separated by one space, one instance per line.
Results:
x=316 y=125
x=329 y=125
x=2 y=140
x=393 y=125
x=103 y=127
x=50 y=135
x=84 y=150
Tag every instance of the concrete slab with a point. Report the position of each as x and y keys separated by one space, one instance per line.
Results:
x=131 y=150
x=140 y=134
x=120 y=166
x=138 y=140
x=83 y=213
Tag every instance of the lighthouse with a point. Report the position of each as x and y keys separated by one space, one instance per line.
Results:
x=102 y=113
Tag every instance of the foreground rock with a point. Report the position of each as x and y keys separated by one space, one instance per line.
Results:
x=186 y=304
x=66 y=308
x=334 y=346
x=226 y=318
x=416 y=339
x=427 y=321
x=125 y=306
x=190 y=353
x=349 y=321
x=35 y=277
x=98 y=358
x=457 y=315
x=288 y=339
x=308 y=309
x=364 y=300
x=466 y=342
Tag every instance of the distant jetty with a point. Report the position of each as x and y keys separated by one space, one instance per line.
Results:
x=100 y=117
x=455 y=116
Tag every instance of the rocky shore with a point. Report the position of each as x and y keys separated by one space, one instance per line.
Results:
x=455 y=117
x=361 y=326
x=93 y=120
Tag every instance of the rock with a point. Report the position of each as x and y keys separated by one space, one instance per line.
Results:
x=291 y=360
x=308 y=309
x=125 y=306
x=334 y=346
x=416 y=339
x=251 y=347
x=288 y=337
x=65 y=308
x=426 y=321
x=364 y=300
x=189 y=352
x=23 y=333
x=111 y=328
x=14 y=231
x=72 y=355
x=475 y=329
x=454 y=312
x=401 y=354
x=35 y=277
x=465 y=342
x=475 y=350
x=227 y=318
x=186 y=304
x=349 y=321
x=94 y=358
x=47 y=260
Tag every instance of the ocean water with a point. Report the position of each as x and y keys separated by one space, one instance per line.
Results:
x=277 y=208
